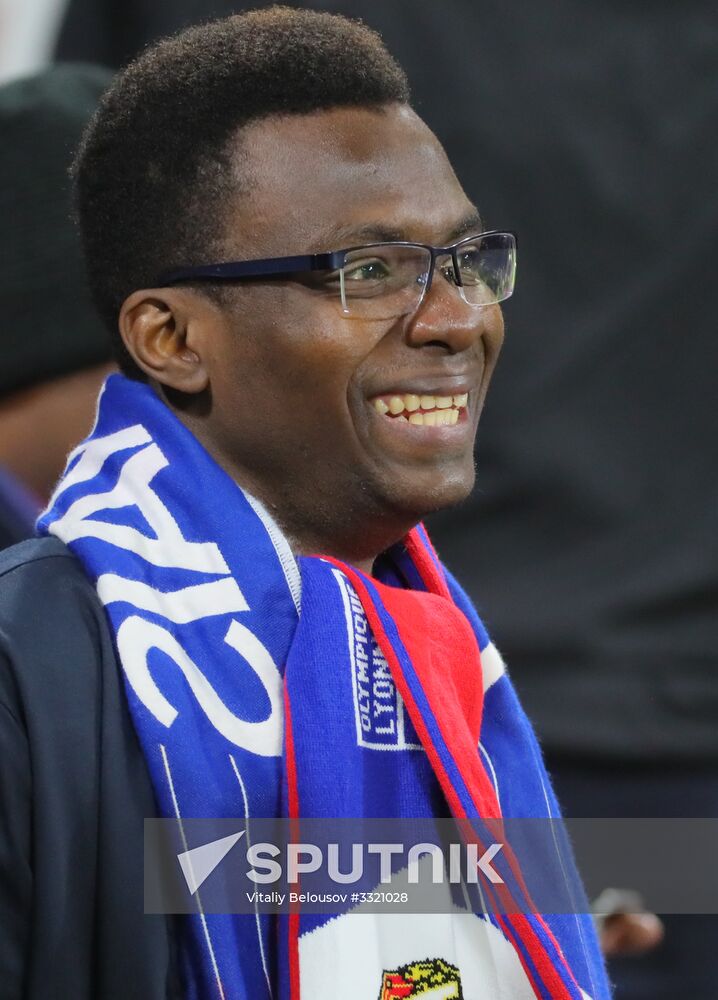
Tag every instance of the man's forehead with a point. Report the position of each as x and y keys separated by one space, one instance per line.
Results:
x=348 y=175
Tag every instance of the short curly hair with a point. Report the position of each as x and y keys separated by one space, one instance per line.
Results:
x=154 y=159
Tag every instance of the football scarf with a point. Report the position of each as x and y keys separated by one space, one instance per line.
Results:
x=261 y=685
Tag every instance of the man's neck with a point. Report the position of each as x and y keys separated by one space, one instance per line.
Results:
x=366 y=565
x=356 y=534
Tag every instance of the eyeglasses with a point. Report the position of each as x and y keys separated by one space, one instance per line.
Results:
x=382 y=280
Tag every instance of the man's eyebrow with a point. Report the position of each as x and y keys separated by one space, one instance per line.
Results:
x=377 y=232
x=470 y=225
x=371 y=232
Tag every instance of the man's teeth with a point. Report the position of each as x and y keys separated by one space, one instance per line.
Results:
x=435 y=418
x=433 y=411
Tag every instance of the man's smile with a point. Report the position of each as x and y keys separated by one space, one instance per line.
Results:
x=426 y=410
x=430 y=412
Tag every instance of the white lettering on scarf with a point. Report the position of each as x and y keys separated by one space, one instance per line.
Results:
x=136 y=636
x=381 y=719
x=170 y=548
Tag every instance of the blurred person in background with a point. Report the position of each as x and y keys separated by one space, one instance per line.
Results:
x=55 y=351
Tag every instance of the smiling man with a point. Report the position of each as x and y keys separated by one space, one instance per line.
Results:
x=345 y=398
x=236 y=611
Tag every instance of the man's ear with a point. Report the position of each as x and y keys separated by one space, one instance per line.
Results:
x=160 y=328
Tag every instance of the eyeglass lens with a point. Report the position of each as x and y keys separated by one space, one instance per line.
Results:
x=390 y=280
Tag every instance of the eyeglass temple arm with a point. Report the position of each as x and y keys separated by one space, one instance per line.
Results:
x=254 y=268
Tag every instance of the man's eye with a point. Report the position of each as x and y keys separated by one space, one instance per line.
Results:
x=366 y=270
x=471 y=265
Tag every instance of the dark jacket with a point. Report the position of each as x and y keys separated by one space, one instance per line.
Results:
x=74 y=790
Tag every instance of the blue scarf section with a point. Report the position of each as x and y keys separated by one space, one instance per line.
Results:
x=256 y=681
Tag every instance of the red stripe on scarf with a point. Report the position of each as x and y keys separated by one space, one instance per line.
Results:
x=428 y=629
x=519 y=925
x=427 y=626
x=433 y=578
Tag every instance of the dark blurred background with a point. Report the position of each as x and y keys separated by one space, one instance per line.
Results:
x=591 y=542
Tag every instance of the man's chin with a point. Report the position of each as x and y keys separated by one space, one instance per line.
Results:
x=419 y=499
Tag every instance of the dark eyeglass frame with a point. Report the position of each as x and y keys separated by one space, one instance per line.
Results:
x=278 y=267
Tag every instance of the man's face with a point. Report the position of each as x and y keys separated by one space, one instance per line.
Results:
x=294 y=382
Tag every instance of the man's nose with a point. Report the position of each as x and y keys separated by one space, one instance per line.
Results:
x=445 y=319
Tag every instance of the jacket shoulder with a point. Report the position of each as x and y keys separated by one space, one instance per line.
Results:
x=44 y=554
x=40 y=577
x=53 y=630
